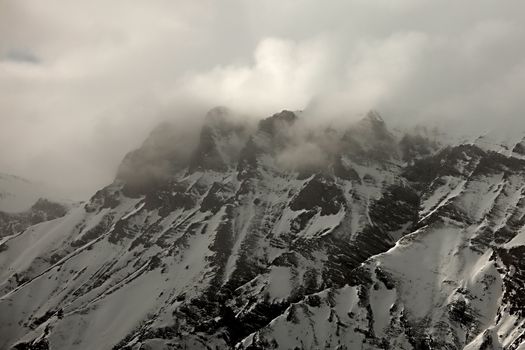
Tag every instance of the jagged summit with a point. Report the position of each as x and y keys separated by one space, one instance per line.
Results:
x=279 y=237
x=163 y=153
x=374 y=122
x=220 y=118
x=519 y=147
x=220 y=142
x=370 y=138
x=373 y=116
x=280 y=142
x=272 y=124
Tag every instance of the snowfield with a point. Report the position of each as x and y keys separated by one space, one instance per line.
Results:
x=379 y=247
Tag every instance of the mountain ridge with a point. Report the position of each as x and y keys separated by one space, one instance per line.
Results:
x=365 y=240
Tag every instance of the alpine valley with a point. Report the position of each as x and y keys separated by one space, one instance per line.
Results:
x=278 y=235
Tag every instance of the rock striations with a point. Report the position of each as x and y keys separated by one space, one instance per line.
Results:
x=280 y=236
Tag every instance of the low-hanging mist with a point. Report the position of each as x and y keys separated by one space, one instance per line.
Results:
x=84 y=84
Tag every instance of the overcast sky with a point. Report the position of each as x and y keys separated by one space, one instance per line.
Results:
x=83 y=82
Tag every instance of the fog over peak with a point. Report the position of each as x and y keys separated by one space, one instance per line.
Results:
x=84 y=83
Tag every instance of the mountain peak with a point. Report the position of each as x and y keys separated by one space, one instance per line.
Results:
x=374 y=117
x=372 y=122
x=218 y=116
x=283 y=118
x=282 y=239
x=221 y=139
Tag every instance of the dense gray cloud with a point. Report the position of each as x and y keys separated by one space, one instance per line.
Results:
x=84 y=82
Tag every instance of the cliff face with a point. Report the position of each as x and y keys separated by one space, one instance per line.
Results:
x=283 y=238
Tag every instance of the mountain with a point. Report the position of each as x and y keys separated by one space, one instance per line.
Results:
x=18 y=194
x=280 y=236
x=24 y=203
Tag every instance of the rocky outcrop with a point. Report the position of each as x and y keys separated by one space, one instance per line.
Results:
x=386 y=243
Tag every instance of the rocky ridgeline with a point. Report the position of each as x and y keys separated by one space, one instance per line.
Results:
x=283 y=236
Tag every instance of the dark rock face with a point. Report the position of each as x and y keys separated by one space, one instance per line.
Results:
x=513 y=266
x=276 y=122
x=386 y=243
x=39 y=345
x=107 y=198
x=519 y=148
x=220 y=142
x=415 y=146
x=247 y=166
x=398 y=206
x=319 y=193
x=344 y=172
x=217 y=196
x=163 y=153
x=457 y=161
x=207 y=156
x=169 y=197
x=370 y=139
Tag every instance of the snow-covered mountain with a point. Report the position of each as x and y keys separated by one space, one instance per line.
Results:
x=24 y=203
x=280 y=237
x=18 y=194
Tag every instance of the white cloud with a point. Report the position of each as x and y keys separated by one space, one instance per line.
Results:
x=102 y=73
x=285 y=74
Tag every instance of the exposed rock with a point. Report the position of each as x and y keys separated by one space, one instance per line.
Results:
x=387 y=243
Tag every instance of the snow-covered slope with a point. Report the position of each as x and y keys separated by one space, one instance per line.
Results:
x=369 y=240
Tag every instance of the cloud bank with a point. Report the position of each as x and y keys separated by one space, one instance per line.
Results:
x=84 y=82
